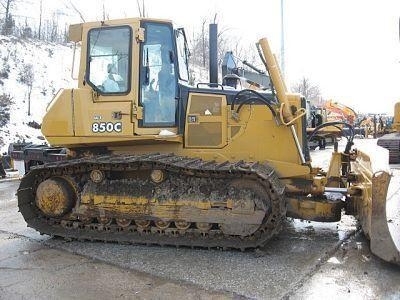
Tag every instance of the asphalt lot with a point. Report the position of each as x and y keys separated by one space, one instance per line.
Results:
x=307 y=260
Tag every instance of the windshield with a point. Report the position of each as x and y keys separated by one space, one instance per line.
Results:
x=109 y=54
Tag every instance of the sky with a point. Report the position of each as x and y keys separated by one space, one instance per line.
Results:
x=350 y=48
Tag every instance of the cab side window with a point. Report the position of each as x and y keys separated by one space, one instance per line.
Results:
x=158 y=76
x=109 y=52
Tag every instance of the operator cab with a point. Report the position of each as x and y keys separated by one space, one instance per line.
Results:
x=146 y=67
x=135 y=73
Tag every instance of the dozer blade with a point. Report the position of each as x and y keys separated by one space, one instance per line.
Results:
x=385 y=216
x=378 y=209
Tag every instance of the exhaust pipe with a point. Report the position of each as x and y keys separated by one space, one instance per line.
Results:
x=213 y=47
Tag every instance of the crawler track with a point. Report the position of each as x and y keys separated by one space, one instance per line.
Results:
x=73 y=228
x=392 y=143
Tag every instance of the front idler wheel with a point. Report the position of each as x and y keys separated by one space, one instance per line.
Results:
x=55 y=196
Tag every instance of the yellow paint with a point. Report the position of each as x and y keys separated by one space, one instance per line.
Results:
x=58 y=121
x=209 y=130
x=309 y=209
x=276 y=79
x=257 y=137
x=125 y=202
x=335 y=165
x=396 y=121
x=252 y=135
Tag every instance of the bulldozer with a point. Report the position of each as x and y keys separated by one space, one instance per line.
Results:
x=153 y=160
x=391 y=141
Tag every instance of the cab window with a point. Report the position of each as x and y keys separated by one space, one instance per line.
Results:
x=109 y=52
x=158 y=76
x=182 y=53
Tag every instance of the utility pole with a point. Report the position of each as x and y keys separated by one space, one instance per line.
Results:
x=282 y=39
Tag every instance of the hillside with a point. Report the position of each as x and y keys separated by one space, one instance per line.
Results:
x=50 y=65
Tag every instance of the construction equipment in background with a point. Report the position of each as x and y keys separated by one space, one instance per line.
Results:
x=240 y=77
x=153 y=160
x=27 y=155
x=391 y=141
x=384 y=125
x=339 y=112
x=368 y=124
x=333 y=111
x=2 y=171
x=6 y=164
x=316 y=116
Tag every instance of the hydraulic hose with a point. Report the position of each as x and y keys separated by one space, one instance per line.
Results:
x=335 y=123
x=256 y=99
x=247 y=92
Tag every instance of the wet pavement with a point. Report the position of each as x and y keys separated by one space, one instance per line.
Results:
x=307 y=260
x=352 y=273
x=32 y=270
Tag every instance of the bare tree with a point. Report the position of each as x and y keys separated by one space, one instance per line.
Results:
x=40 y=20
x=141 y=9
x=8 y=25
x=26 y=31
x=71 y=5
x=245 y=52
x=27 y=76
x=106 y=16
x=199 y=47
x=7 y=5
x=307 y=88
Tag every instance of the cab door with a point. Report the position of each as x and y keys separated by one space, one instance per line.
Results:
x=107 y=52
x=157 y=105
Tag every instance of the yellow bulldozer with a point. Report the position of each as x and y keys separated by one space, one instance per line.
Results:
x=391 y=141
x=154 y=160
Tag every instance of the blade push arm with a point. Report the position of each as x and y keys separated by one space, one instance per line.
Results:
x=278 y=83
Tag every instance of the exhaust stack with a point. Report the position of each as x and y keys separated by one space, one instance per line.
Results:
x=213 y=46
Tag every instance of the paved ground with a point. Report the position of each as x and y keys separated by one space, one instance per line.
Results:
x=307 y=261
x=32 y=270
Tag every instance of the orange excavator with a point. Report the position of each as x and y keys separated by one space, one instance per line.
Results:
x=339 y=112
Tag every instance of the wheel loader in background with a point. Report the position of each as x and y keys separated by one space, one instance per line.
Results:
x=153 y=160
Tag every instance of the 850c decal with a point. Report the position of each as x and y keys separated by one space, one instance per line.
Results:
x=106 y=127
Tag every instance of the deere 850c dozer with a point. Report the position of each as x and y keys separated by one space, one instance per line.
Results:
x=154 y=160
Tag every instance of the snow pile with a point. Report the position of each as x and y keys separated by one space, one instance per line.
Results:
x=51 y=66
